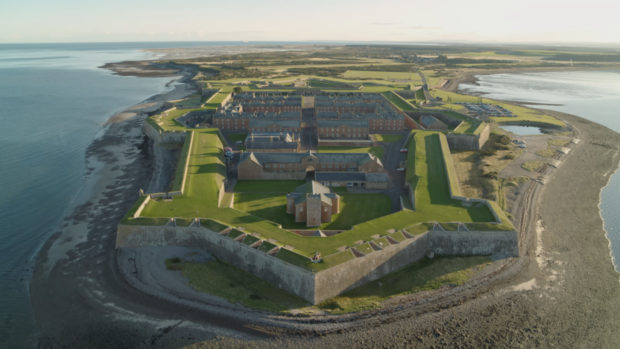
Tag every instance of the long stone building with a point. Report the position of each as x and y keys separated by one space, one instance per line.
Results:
x=272 y=142
x=301 y=165
x=349 y=116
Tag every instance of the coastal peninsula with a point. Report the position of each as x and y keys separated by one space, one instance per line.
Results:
x=560 y=288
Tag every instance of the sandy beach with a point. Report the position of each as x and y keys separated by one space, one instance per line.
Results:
x=562 y=291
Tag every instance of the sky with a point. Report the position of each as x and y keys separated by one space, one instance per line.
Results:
x=524 y=21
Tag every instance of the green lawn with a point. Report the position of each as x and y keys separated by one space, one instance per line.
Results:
x=385 y=75
x=193 y=101
x=235 y=285
x=205 y=174
x=432 y=196
x=166 y=120
x=177 y=181
x=354 y=209
x=388 y=138
x=234 y=137
x=217 y=99
x=376 y=150
x=424 y=275
x=522 y=114
x=397 y=101
x=268 y=186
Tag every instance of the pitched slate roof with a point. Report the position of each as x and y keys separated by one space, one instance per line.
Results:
x=338 y=123
x=334 y=158
x=312 y=187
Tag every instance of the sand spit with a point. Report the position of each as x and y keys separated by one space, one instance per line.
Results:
x=564 y=293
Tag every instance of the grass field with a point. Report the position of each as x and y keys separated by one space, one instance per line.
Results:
x=430 y=180
x=166 y=120
x=217 y=99
x=388 y=138
x=398 y=102
x=205 y=174
x=235 y=285
x=376 y=150
x=273 y=186
x=234 y=137
x=522 y=114
x=177 y=180
x=424 y=275
x=384 y=75
x=354 y=209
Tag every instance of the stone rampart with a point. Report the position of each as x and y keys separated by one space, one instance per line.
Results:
x=322 y=285
x=469 y=141
x=358 y=271
x=467 y=243
x=284 y=275
x=158 y=136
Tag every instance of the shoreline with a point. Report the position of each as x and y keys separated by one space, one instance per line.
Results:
x=181 y=322
x=472 y=78
x=611 y=251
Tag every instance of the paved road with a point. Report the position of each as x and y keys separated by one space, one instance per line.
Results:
x=427 y=94
x=309 y=131
x=391 y=160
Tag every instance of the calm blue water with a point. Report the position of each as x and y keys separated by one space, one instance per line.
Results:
x=591 y=95
x=53 y=103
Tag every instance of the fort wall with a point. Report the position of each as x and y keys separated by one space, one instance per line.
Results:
x=159 y=136
x=325 y=284
x=284 y=275
x=469 y=141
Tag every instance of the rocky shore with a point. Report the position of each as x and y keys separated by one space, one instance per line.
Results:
x=562 y=291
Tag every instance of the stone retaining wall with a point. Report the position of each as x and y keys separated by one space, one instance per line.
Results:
x=163 y=137
x=325 y=284
x=284 y=275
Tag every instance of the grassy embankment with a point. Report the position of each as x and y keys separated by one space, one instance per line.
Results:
x=427 y=174
x=383 y=75
x=235 y=285
x=398 y=102
x=387 y=138
x=238 y=286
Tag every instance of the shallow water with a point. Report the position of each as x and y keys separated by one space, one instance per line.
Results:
x=523 y=130
x=53 y=103
x=592 y=95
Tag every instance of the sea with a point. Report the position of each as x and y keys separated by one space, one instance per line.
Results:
x=593 y=95
x=54 y=101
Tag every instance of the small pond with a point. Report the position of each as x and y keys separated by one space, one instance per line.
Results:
x=523 y=130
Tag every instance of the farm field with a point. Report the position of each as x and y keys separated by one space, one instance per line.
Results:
x=384 y=75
